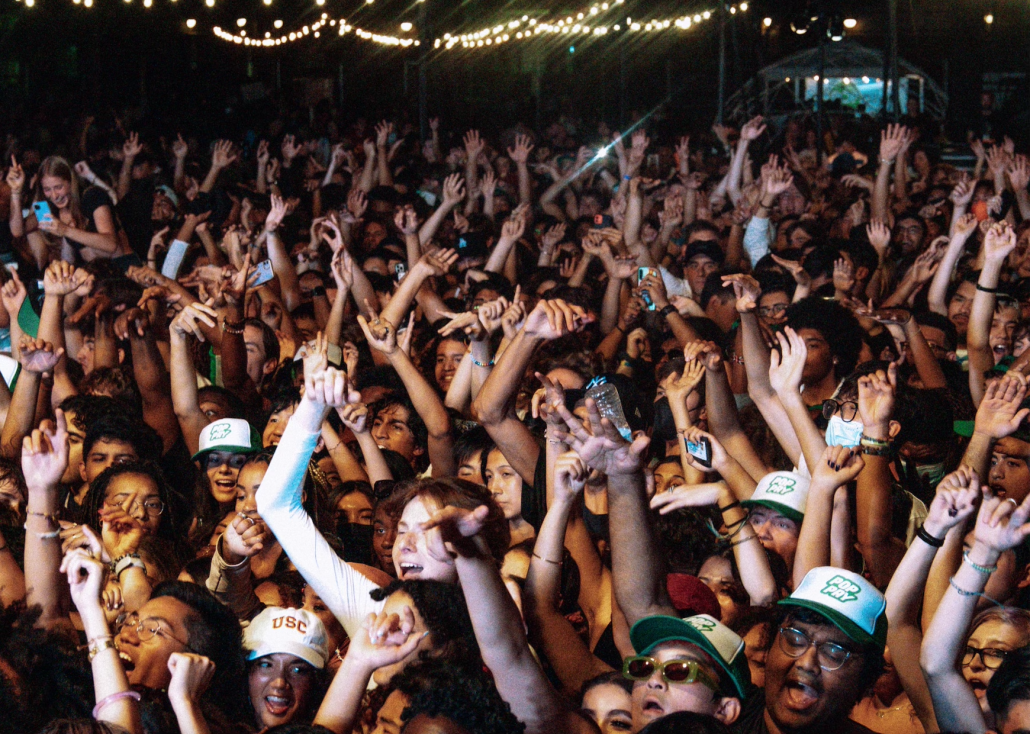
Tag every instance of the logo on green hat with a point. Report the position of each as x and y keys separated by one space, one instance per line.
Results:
x=781 y=485
x=841 y=589
x=220 y=431
x=701 y=625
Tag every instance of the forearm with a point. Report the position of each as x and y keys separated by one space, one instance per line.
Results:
x=814 y=539
x=751 y=558
x=525 y=192
x=939 y=285
x=108 y=675
x=385 y=177
x=334 y=324
x=927 y=366
x=873 y=513
x=491 y=405
x=431 y=225
x=813 y=444
x=580 y=274
x=15 y=219
x=978 y=453
x=125 y=177
x=346 y=463
x=500 y=254
x=736 y=171
x=724 y=423
x=459 y=392
x=637 y=566
x=375 y=464
x=342 y=703
x=611 y=306
x=397 y=309
x=214 y=254
x=879 y=204
x=44 y=583
x=423 y=397
x=283 y=268
x=210 y=179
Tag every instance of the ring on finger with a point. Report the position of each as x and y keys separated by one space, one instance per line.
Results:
x=1014 y=502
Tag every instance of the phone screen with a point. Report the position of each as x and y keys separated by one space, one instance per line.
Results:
x=701 y=451
x=641 y=274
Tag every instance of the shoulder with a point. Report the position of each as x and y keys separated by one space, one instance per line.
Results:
x=93 y=198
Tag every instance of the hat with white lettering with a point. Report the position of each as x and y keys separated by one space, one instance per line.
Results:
x=786 y=492
x=234 y=435
x=287 y=630
x=702 y=631
x=847 y=600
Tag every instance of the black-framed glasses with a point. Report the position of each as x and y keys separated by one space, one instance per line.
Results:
x=146 y=629
x=774 y=310
x=847 y=409
x=991 y=657
x=642 y=667
x=152 y=505
x=795 y=643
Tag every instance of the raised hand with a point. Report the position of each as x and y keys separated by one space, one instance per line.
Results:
x=186 y=322
x=838 y=466
x=38 y=356
x=355 y=417
x=602 y=447
x=747 y=291
x=383 y=130
x=570 y=475
x=491 y=314
x=687 y=495
x=289 y=148
x=385 y=639
x=551 y=319
x=999 y=242
x=85 y=577
x=439 y=262
x=999 y=414
x=843 y=275
x=180 y=148
x=892 y=140
x=13 y=294
x=406 y=220
x=191 y=676
x=473 y=145
x=120 y=531
x=1001 y=524
x=523 y=147
x=62 y=278
x=467 y=322
x=15 y=177
x=787 y=365
x=752 y=129
x=956 y=499
x=876 y=396
x=245 y=537
x=453 y=190
x=454 y=531
x=276 y=213
x=879 y=235
x=962 y=194
x=223 y=154
x=966 y=225
x=679 y=385
x=132 y=147
x=44 y=454
x=547 y=400
x=380 y=334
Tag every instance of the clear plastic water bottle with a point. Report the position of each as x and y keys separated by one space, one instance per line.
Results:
x=606 y=397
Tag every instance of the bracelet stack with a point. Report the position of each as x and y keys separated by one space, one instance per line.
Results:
x=233 y=327
x=51 y=518
x=122 y=563
x=983 y=570
x=875 y=446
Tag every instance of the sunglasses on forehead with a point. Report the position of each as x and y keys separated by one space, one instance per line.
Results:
x=642 y=667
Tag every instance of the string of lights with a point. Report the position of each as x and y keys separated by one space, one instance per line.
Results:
x=589 y=22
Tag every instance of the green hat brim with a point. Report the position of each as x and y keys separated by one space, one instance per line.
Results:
x=652 y=631
x=784 y=510
x=230 y=449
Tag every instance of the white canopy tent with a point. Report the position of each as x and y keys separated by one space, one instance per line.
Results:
x=853 y=82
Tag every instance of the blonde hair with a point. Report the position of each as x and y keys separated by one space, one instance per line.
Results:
x=59 y=167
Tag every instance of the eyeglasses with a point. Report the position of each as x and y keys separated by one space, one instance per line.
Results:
x=152 y=506
x=774 y=310
x=795 y=643
x=147 y=628
x=642 y=667
x=848 y=409
x=991 y=658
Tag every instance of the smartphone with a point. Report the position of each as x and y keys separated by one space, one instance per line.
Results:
x=264 y=273
x=641 y=274
x=603 y=221
x=42 y=210
x=176 y=253
x=399 y=271
x=701 y=451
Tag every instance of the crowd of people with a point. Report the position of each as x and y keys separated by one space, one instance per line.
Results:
x=333 y=429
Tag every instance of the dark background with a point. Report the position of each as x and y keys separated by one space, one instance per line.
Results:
x=58 y=58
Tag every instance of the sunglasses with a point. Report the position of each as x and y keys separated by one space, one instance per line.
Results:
x=642 y=667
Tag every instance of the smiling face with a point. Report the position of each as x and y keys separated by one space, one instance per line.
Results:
x=799 y=694
x=390 y=430
x=449 y=353
x=411 y=557
x=505 y=485
x=655 y=697
x=146 y=661
x=610 y=707
x=281 y=685
x=1010 y=473
x=223 y=468
x=58 y=191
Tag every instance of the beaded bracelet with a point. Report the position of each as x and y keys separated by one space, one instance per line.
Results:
x=477 y=363
x=963 y=592
x=984 y=570
x=43 y=536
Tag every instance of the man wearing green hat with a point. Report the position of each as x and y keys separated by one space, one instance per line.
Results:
x=826 y=652
x=695 y=664
x=224 y=447
x=776 y=510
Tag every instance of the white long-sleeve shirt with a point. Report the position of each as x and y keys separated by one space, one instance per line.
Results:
x=344 y=590
x=758 y=237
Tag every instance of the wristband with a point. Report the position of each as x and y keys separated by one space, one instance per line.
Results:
x=930 y=540
x=99 y=645
x=547 y=560
x=668 y=311
x=985 y=289
x=730 y=506
x=43 y=536
x=119 y=565
x=876 y=443
x=112 y=698
x=984 y=570
x=619 y=328
x=477 y=363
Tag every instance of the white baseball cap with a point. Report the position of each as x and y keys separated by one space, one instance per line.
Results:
x=848 y=601
x=786 y=492
x=234 y=435
x=287 y=630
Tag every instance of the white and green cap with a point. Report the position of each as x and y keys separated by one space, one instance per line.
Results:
x=786 y=492
x=234 y=435
x=703 y=631
x=847 y=600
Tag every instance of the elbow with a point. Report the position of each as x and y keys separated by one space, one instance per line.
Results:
x=933 y=665
x=488 y=414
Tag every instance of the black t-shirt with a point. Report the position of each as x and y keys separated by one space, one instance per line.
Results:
x=752 y=718
x=92 y=199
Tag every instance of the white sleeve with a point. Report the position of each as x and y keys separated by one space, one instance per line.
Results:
x=757 y=238
x=344 y=590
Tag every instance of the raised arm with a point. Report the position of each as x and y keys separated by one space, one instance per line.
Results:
x=520 y=156
x=891 y=142
x=185 y=402
x=453 y=193
x=953 y=503
x=282 y=265
x=36 y=357
x=436 y=263
x=151 y=375
x=382 y=336
x=785 y=370
x=222 y=156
